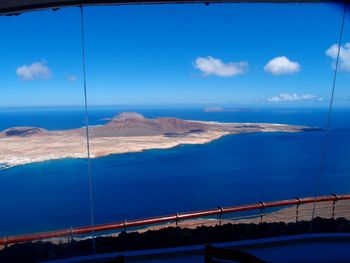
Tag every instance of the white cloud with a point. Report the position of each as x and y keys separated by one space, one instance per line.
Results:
x=37 y=70
x=282 y=65
x=344 y=55
x=72 y=78
x=214 y=66
x=290 y=97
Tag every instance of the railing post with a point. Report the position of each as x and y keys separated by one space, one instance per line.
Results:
x=262 y=211
x=5 y=241
x=220 y=215
x=177 y=219
x=334 y=201
x=124 y=225
x=71 y=233
x=297 y=212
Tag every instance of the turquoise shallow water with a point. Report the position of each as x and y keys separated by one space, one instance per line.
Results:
x=235 y=169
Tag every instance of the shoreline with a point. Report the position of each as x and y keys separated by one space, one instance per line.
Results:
x=170 y=145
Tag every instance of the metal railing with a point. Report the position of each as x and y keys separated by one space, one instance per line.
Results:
x=177 y=217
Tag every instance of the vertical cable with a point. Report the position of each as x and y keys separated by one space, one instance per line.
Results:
x=326 y=131
x=92 y=218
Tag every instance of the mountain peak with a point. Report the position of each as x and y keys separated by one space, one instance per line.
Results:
x=128 y=115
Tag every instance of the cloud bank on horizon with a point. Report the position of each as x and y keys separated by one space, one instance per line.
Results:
x=293 y=97
x=37 y=70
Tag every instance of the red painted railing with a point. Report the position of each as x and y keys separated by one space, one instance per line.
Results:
x=168 y=218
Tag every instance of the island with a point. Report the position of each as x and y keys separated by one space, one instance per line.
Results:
x=124 y=133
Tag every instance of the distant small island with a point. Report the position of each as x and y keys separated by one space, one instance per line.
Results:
x=127 y=132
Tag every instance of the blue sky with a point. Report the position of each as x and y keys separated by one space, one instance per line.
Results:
x=217 y=55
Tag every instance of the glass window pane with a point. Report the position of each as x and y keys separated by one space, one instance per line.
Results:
x=43 y=187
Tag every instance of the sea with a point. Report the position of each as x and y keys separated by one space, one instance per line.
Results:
x=233 y=170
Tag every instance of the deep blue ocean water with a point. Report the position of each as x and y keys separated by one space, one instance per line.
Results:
x=235 y=169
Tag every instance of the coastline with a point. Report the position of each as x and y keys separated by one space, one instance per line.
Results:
x=104 y=148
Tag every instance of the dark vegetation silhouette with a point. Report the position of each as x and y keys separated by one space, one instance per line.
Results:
x=165 y=238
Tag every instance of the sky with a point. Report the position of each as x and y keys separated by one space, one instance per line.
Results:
x=227 y=55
